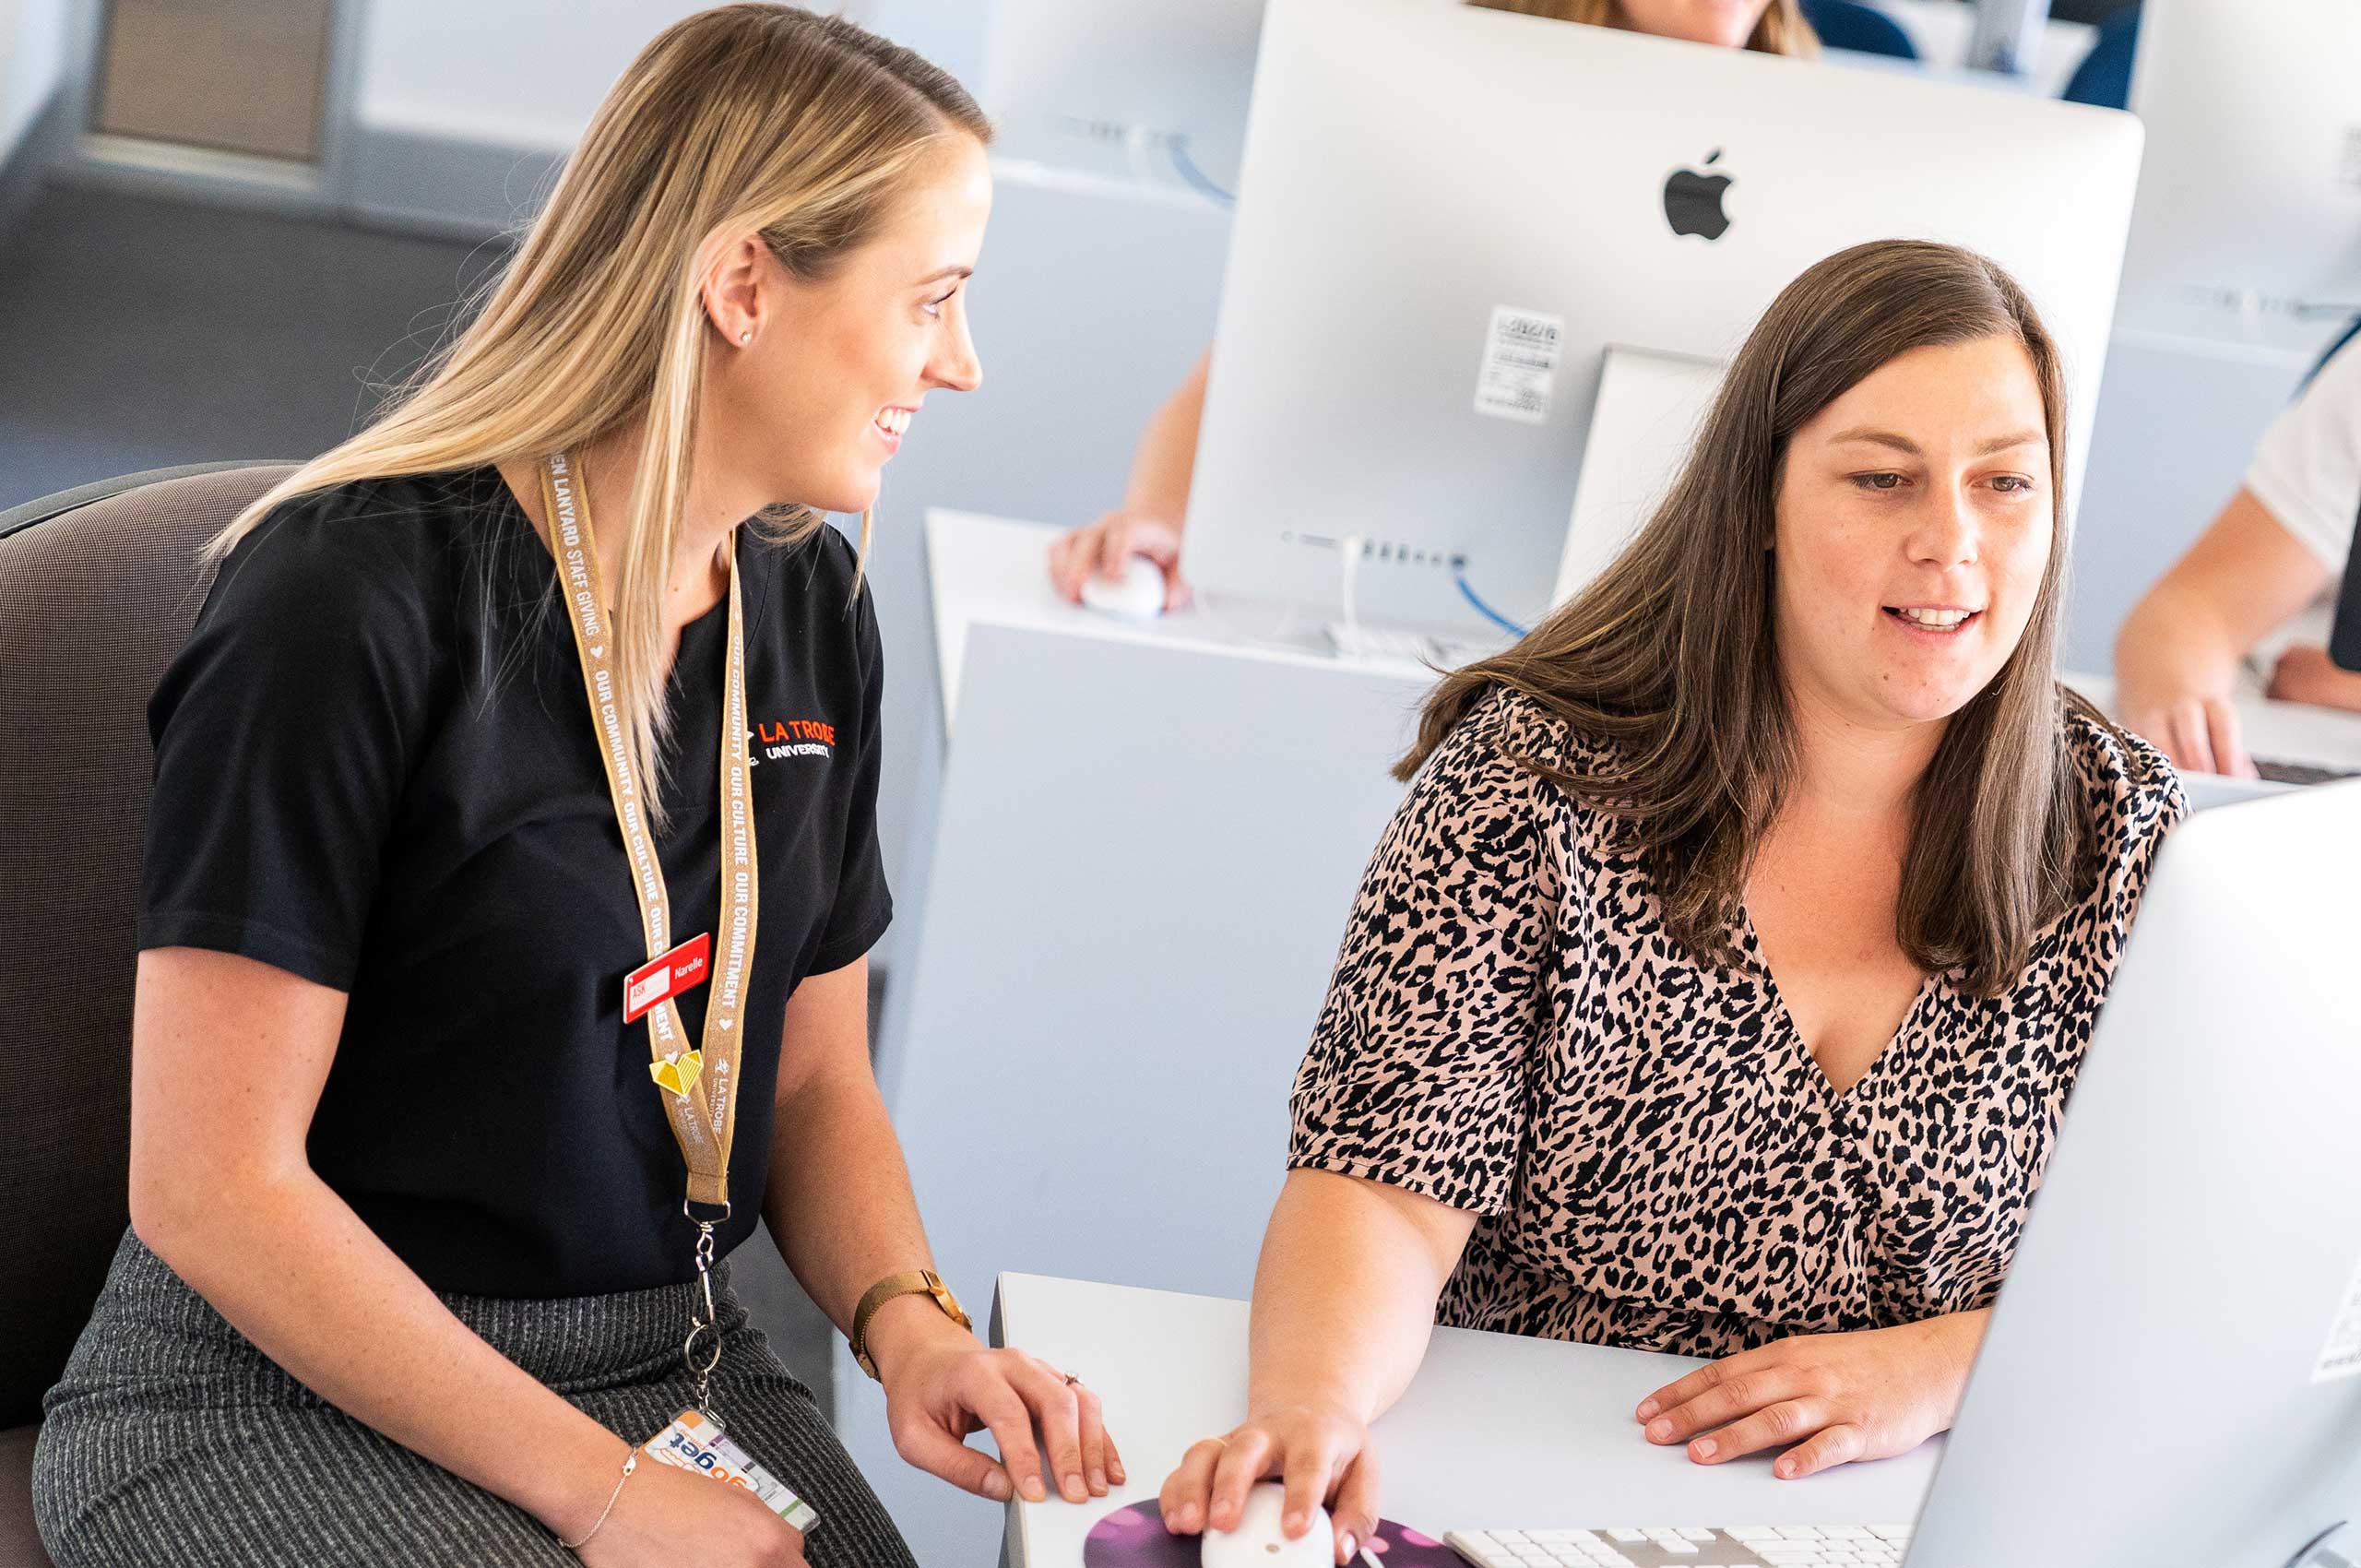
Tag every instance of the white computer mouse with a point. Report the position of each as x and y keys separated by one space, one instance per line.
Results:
x=1137 y=595
x=1259 y=1543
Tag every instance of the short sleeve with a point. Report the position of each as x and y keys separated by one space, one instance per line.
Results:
x=2307 y=468
x=2134 y=800
x=284 y=731
x=1417 y=1070
x=864 y=905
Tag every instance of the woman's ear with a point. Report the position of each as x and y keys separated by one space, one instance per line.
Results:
x=733 y=293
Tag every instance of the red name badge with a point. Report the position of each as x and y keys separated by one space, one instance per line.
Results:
x=662 y=978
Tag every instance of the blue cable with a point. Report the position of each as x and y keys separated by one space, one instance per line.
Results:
x=1486 y=611
x=1179 y=148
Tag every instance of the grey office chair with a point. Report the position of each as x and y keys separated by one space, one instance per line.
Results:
x=98 y=588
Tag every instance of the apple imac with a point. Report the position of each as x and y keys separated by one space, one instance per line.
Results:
x=2248 y=227
x=1448 y=215
x=1151 y=90
x=2173 y=1372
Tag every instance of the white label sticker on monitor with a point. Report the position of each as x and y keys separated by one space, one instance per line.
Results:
x=1521 y=349
x=2341 y=1356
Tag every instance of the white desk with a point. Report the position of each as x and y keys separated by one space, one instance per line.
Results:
x=1497 y=1430
x=995 y=570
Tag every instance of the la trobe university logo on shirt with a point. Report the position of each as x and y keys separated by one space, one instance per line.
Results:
x=785 y=739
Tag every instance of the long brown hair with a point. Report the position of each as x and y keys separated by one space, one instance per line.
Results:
x=1781 y=30
x=746 y=119
x=1670 y=652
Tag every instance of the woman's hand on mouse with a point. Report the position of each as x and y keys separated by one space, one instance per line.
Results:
x=1827 y=1398
x=1106 y=544
x=1322 y=1453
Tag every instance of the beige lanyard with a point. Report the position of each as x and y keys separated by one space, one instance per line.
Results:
x=699 y=1087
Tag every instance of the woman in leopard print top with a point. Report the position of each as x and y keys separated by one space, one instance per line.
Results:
x=1720 y=984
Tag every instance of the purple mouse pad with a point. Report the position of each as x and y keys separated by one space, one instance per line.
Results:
x=1135 y=1537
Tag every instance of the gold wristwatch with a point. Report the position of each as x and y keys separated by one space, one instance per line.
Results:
x=912 y=1282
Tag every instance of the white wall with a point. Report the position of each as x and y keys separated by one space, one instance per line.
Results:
x=32 y=63
x=518 y=73
x=522 y=74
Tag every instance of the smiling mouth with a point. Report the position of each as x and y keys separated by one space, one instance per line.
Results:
x=1921 y=618
x=893 y=422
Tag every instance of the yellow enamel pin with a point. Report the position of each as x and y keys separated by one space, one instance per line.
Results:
x=678 y=1072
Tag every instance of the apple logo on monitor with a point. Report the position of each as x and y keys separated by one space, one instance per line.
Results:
x=1692 y=200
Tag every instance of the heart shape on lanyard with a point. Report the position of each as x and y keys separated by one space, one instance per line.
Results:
x=678 y=1071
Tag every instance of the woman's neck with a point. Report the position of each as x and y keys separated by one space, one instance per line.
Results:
x=698 y=574
x=1849 y=770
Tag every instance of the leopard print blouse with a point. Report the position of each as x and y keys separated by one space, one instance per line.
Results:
x=1656 y=1157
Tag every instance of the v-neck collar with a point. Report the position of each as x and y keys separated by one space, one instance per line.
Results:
x=1792 y=1035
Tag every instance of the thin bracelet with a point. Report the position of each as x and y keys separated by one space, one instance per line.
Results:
x=631 y=1463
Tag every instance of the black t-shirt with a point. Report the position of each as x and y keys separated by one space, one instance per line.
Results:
x=375 y=768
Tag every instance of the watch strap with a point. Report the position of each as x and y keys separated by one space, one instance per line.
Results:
x=910 y=1282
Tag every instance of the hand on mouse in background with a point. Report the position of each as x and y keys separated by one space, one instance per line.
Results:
x=1322 y=1454
x=1105 y=546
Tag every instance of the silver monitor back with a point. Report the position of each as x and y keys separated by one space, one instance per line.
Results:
x=2151 y=1389
x=1411 y=166
x=2249 y=204
x=1110 y=87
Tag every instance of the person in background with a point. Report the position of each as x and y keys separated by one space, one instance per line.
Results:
x=1719 y=984
x=2260 y=583
x=1156 y=498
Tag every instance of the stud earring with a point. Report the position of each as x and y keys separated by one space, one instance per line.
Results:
x=746 y=336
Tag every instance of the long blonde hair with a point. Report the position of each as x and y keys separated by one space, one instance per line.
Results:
x=746 y=119
x=1781 y=30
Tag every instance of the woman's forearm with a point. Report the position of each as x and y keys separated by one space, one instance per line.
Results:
x=1167 y=458
x=2175 y=640
x=293 y=1268
x=839 y=1203
x=1345 y=1293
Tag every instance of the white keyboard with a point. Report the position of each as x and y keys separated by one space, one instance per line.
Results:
x=1733 y=1546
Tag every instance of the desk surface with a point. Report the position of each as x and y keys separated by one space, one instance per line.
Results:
x=996 y=569
x=1497 y=1430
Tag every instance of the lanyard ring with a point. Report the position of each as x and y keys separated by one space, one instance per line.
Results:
x=688 y=1351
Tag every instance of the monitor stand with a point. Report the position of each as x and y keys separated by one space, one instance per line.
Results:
x=1650 y=405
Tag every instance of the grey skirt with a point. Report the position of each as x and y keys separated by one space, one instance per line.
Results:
x=172 y=1440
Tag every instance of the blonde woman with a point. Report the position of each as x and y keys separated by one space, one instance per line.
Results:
x=1156 y=498
x=427 y=1215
